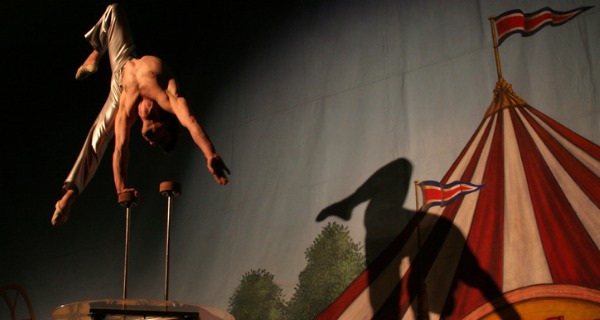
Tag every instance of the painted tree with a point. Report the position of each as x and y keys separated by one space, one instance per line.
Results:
x=257 y=297
x=333 y=262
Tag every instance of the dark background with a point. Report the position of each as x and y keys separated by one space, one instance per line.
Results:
x=48 y=113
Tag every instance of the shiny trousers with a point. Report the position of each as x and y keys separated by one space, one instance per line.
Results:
x=110 y=34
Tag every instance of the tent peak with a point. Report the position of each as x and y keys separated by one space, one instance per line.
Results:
x=504 y=97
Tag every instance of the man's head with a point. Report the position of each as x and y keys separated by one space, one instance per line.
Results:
x=161 y=131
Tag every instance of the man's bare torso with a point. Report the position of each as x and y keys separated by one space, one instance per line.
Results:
x=147 y=78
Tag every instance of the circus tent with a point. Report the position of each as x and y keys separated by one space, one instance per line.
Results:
x=522 y=243
x=529 y=238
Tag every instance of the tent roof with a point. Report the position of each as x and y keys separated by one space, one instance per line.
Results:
x=535 y=223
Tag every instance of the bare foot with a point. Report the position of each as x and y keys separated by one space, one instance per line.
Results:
x=62 y=208
x=89 y=66
x=85 y=71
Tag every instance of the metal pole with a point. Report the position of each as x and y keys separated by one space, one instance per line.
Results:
x=127 y=217
x=127 y=200
x=168 y=189
x=167 y=248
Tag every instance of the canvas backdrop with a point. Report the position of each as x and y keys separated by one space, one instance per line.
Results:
x=303 y=113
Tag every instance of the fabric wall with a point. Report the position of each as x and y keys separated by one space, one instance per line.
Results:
x=313 y=108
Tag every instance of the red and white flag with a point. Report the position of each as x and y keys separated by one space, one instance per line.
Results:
x=515 y=21
x=437 y=194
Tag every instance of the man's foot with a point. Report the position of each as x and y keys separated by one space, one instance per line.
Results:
x=85 y=71
x=89 y=66
x=61 y=215
x=62 y=208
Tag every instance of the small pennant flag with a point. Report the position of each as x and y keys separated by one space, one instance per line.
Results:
x=515 y=21
x=437 y=194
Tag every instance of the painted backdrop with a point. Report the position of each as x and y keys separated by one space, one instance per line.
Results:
x=304 y=101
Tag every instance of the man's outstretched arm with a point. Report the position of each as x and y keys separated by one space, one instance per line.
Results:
x=216 y=166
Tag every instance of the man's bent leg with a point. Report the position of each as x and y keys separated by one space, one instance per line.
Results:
x=112 y=33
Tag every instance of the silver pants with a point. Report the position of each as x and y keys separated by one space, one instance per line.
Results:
x=111 y=33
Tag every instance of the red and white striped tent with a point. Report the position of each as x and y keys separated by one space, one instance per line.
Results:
x=526 y=245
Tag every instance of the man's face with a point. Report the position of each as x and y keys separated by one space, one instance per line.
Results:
x=155 y=132
x=154 y=125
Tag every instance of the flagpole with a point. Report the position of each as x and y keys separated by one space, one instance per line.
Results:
x=496 y=54
x=423 y=308
x=416 y=195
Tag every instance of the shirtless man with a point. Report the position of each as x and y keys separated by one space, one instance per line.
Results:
x=149 y=89
x=141 y=88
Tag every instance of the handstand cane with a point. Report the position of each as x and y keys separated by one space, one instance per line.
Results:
x=127 y=200
x=168 y=189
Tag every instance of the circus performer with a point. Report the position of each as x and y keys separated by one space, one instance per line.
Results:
x=141 y=88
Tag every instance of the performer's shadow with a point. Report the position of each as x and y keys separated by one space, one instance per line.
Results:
x=385 y=219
